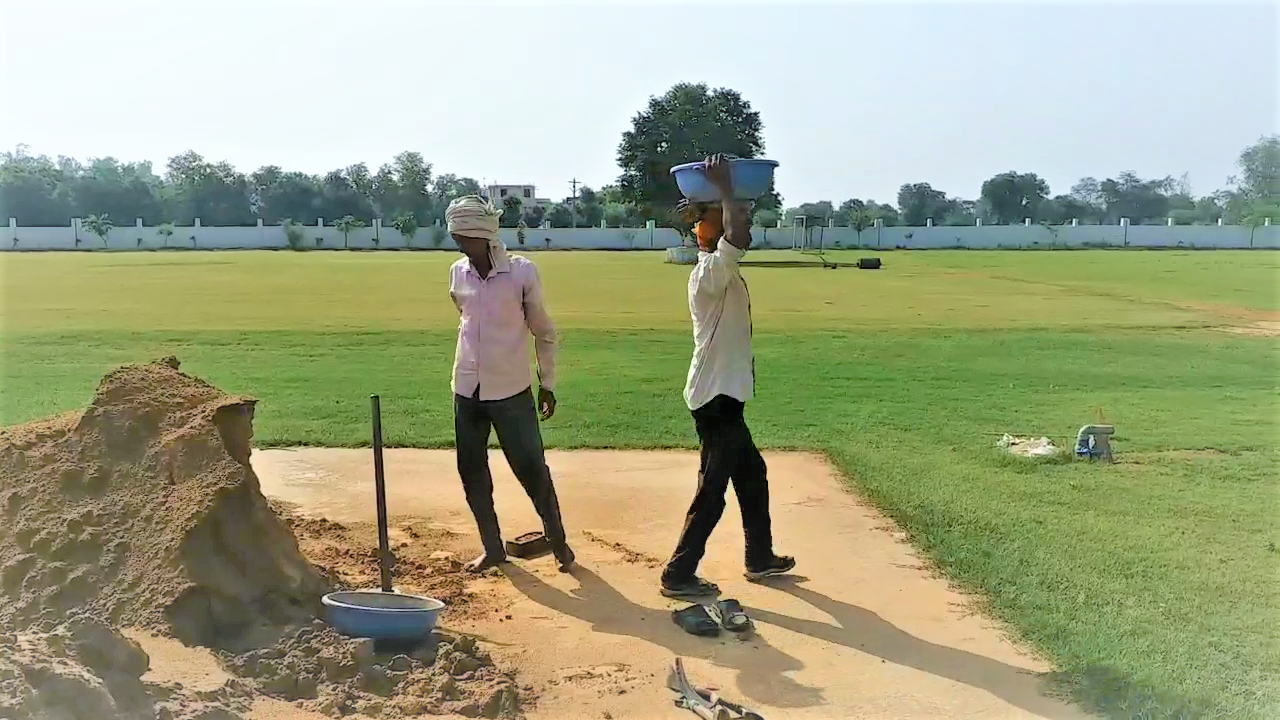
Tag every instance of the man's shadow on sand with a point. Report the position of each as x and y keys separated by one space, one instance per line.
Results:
x=761 y=668
x=867 y=632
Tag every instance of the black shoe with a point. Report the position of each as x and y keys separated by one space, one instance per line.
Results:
x=691 y=589
x=779 y=565
x=565 y=559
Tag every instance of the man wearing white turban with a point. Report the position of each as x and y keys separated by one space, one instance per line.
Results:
x=499 y=299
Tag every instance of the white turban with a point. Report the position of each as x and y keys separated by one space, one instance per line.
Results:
x=473 y=216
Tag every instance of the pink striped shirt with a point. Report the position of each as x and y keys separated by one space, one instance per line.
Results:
x=498 y=313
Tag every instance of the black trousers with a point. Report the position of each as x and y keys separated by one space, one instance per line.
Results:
x=728 y=455
x=516 y=421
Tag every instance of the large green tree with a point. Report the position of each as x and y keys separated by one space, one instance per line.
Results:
x=1259 y=164
x=560 y=216
x=214 y=192
x=686 y=123
x=961 y=212
x=35 y=190
x=532 y=215
x=512 y=211
x=587 y=207
x=920 y=202
x=342 y=198
x=1062 y=209
x=447 y=188
x=1012 y=197
x=124 y=190
x=405 y=186
x=1256 y=197
x=815 y=214
x=1129 y=196
x=279 y=195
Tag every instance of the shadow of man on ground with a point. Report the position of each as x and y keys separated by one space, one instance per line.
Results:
x=867 y=632
x=761 y=668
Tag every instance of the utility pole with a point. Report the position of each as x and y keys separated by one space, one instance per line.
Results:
x=573 y=205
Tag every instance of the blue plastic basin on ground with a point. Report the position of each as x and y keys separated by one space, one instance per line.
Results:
x=382 y=616
x=751 y=179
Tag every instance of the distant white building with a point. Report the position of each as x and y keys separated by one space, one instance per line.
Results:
x=528 y=195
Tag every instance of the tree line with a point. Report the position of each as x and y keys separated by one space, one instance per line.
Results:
x=1012 y=198
x=43 y=191
x=689 y=121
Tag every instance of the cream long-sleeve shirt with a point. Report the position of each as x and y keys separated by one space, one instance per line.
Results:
x=498 y=313
x=721 y=310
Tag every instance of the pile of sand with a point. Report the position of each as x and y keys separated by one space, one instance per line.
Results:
x=144 y=511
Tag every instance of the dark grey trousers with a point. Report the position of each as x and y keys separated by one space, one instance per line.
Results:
x=516 y=421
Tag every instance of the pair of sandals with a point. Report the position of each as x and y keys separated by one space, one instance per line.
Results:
x=707 y=620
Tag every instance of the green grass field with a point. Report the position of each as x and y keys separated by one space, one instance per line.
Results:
x=1153 y=584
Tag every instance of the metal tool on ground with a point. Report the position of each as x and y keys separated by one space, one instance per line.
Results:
x=380 y=490
x=701 y=702
x=384 y=615
x=529 y=545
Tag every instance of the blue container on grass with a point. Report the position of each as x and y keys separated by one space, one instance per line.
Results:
x=382 y=616
x=751 y=179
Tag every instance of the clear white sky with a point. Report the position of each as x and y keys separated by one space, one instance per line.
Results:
x=856 y=98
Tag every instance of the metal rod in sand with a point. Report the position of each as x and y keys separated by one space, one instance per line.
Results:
x=380 y=484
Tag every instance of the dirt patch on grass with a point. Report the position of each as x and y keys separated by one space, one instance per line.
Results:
x=1235 y=312
x=1178 y=455
x=1241 y=320
x=1259 y=328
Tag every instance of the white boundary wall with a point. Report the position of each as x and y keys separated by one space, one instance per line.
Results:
x=131 y=237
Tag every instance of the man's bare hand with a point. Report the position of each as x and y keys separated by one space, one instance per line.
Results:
x=687 y=210
x=717 y=168
x=546 y=403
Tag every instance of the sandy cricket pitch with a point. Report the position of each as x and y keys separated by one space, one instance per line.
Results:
x=863 y=631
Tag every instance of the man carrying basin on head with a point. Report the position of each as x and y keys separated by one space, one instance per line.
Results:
x=499 y=298
x=721 y=379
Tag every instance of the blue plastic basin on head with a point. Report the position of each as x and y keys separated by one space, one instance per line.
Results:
x=751 y=179
x=382 y=616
